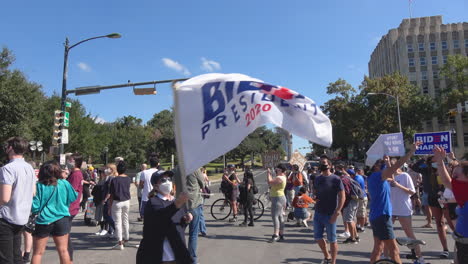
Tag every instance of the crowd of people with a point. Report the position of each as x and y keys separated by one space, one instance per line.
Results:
x=36 y=207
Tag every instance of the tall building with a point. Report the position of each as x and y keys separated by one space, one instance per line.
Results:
x=418 y=48
x=286 y=142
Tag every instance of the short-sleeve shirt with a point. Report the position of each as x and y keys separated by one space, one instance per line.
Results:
x=326 y=191
x=362 y=183
x=120 y=188
x=76 y=181
x=145 y=176
x=379 y=191
x=401 y=201
x=20 y=175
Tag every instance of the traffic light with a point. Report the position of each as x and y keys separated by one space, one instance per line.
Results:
x=452 y=112
x=58 y=126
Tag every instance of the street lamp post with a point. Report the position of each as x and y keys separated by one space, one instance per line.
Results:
x=65 y=70
x=398 y=105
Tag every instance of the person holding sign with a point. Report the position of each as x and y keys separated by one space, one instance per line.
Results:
x=381 y=207
x=458 y=183
x=278 y=201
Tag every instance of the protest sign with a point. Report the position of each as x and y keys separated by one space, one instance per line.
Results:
x=298 y=159
x=215 y=112
x=386 y=144
x=431 y=140
x=271 y=159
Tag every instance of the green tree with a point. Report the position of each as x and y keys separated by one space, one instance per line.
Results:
x=455 y=72
x=162 y=137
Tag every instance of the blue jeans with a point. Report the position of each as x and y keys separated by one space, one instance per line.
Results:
x=194 y=229
x=202 y=221
x=321 y=222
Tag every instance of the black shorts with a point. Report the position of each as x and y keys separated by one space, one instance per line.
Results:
x=452 y=213
x=58 y=228
x=433 y=200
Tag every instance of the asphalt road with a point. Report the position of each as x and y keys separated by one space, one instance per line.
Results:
x=228 y=243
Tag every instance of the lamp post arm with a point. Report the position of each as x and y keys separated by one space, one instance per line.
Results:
x=78 y=43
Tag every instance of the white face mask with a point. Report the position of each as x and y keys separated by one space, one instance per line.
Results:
x=107 y=171
x=165 y=188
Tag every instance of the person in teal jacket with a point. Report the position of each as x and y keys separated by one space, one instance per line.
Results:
x=51 y=203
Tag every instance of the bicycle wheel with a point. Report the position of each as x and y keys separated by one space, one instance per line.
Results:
x=258 y=210
x=221 y=209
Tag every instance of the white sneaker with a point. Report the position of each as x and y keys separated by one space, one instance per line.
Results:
x=98 y=233
x=118 y=247
x=103 y=232
x=344 y=235
x=304 y=222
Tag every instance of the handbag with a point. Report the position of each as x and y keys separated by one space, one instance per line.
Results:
x=30 y=226
x=206 y=192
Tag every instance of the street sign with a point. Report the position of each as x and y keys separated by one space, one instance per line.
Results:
x=466 y=106
x=66 y=119
x=64 y=136
x=62 y=159
x=67 y=104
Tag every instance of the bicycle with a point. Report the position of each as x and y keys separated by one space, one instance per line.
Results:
x=408 y=242
x=265 y=198
x=222 y=209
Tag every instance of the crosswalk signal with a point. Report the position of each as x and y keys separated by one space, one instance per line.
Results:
x=58 y=126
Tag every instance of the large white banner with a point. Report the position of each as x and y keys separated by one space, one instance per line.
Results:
x=386 y=144
x=215 y=112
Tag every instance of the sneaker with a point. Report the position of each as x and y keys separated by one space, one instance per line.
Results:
x=360 y=229
x=234 y=219
x=110 y=235
x=444 y=255
x=344 y=235
x=139 y=219
x=203 y=234
x=98 y=233
x=273 y=239
x=26 y=257
x=281 y=238
x=358 y=239
x=419 y=261
x=304 y=222
x=243 y=224
x=103 y=233
x=326 y=261
x=251 y=224
x=118 y=247
x=350 y=241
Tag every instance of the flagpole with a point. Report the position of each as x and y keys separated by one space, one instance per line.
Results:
x=180 y=154
x=409 y=7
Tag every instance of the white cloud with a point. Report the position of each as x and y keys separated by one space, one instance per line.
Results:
x=172 y=64
x=84 y=67
x=210 y=65
x=99 y=120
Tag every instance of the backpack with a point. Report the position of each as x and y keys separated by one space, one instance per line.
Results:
x=254 y=189
x=357 y=193
x=225 y=186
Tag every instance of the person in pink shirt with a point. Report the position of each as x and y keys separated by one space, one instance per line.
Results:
x=76 y=181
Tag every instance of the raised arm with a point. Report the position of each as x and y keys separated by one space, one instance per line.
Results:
x=388 y=172
x=439 y=156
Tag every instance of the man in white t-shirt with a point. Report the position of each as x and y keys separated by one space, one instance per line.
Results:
x=401 y=190
x=145 y=182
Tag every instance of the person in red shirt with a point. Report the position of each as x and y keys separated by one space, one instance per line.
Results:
x=296 y=178
x=301 y=203
x=76 y=181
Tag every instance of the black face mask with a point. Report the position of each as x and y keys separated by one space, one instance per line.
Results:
x=323 y=167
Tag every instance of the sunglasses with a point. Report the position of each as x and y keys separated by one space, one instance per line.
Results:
x=163 y=180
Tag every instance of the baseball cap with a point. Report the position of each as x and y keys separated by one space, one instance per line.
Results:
x=230 y=166
x=351 y=172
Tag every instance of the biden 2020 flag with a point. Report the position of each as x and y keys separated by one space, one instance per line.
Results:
x=215 y=112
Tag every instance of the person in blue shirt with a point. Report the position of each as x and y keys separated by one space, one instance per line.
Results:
x=381 y=207
x=51 y=203
x=362 y=205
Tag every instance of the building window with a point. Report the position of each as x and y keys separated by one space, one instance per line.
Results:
x=456 y=44
x=435 y=75
x=410 y=47
x=425 y=90
x=445 y=59
x=444 y=45
x=421 y=46
x=433 y=46
x=411 y=62
x=465 y=139
x=466 y=43
x=454 y=140
x=424 y=75
x=434 y=60
x=422 y=61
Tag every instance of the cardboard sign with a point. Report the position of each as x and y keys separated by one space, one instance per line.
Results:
x=431 y=140
x=386 y=144
x=298 y=159
x=271 y=159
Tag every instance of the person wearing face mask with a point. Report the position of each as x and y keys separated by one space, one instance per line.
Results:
x=119 y=203
x=111 y=173
x=278 y=201
x=164 y=227
x=98 y=198
x=330 y=195
x=431 y=189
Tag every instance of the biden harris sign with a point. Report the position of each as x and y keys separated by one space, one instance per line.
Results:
x=215 y=112
x=431 y=140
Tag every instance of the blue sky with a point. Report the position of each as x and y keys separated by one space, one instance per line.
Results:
x=303 y=44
